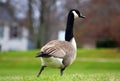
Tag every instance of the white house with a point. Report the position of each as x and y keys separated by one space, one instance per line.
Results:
x=11 y=40
x=13 y=35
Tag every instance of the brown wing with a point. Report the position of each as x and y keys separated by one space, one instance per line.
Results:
x=56 y=48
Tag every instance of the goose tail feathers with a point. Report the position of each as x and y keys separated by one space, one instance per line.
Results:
x=42 y=54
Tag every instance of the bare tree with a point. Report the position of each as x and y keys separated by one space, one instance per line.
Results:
x=45 y=10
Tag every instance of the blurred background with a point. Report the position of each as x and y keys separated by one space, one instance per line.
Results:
x=29 y=24
x=26 y=25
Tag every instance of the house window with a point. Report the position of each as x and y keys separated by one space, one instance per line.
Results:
x=1 y=31
x=15 y=32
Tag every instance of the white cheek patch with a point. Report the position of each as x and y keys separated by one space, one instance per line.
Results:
x=75 y=14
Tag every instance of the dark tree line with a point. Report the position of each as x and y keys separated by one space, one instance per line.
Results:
x=101 y=23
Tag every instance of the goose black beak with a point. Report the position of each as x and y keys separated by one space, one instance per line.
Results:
x=81 y=16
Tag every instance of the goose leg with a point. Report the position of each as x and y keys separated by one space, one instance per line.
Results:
x=41 y=69
x=61 y=71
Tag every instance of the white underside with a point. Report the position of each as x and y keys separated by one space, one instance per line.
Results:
x=52 y=62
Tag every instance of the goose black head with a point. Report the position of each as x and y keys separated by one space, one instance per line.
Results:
x=77 y=14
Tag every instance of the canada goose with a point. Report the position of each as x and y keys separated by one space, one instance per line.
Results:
x=60 y=54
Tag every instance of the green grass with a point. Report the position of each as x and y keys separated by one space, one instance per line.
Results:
x=90 y=65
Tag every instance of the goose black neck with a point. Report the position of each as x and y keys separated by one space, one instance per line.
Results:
x=69 y=27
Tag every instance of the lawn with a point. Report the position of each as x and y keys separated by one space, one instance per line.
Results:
x=90 y=65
